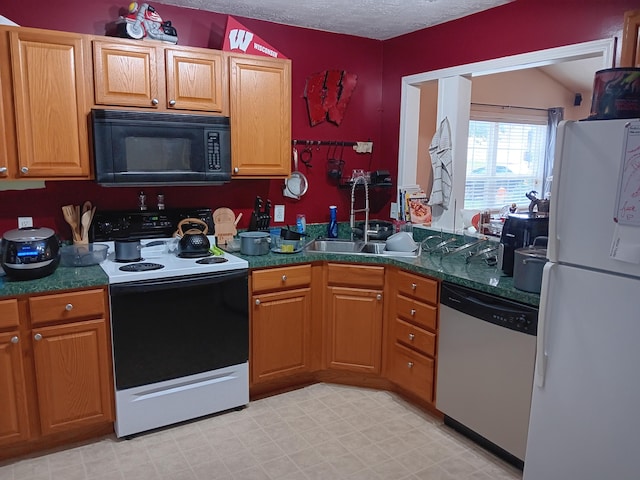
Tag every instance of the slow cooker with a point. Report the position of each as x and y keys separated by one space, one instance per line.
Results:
x=30 y=253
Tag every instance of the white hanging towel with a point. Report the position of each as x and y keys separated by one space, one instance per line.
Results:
x=442 y=164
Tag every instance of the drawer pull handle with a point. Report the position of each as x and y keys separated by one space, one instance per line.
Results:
x=24 y=170
x=410 y=364
x=3 y=169
x=257 y=301
x=413 y=286
x=411 y=337
x=154 y=101
x=68 y=307
x=413 y=312
x=15 y=339
x=172 y=103
x=236 y=170
x=37 y=337
x=379 y=297
x=284 y=278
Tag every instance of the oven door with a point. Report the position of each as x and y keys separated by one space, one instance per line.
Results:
x=175 y=327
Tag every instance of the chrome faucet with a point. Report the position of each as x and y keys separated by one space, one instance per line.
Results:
x=352 y=216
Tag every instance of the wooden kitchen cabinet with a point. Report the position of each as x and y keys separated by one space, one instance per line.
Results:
x=55 y=368
x=45 y=105
x=353 y=339
x=151 y=75
x=280 y=322
x=413 y=317
x=260 y=110
x=14 y=419
x=630 y=51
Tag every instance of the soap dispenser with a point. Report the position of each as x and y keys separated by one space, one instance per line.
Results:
x=332 y=231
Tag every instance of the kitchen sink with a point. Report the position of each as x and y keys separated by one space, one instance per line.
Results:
x=353 y=247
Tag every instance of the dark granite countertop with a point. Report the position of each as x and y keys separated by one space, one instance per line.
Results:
x=64 y=278
x=452 y=268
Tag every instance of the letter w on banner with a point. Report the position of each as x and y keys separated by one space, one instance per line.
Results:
x=239 y=38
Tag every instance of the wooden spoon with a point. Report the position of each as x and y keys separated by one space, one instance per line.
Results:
x=70 y=217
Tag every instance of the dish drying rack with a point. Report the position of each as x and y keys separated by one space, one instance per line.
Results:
x=478 y=249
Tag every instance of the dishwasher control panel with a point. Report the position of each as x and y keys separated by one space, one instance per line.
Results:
x=492 y=309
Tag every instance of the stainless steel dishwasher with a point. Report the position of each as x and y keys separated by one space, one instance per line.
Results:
x=486 y=357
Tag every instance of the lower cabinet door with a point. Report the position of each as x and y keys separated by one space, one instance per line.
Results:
x=354 y=336
x=280 y=334
x=14 y=420
x=72 y=375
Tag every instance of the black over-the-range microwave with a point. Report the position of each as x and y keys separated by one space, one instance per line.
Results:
x=149 y=148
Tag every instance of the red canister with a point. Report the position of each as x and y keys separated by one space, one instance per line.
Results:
x=616 y=94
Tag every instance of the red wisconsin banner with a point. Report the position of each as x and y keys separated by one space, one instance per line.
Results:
x=238 y=38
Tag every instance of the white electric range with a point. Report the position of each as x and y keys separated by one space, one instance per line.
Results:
x=180 y=330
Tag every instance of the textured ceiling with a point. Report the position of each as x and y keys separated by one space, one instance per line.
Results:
x=377 y=19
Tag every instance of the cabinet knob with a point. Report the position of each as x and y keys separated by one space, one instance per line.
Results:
x=24 y=170
x=413 y=286
x=236 y=170
x=3 y=169
x=411 y=337
x=257 y=301
x=172 y=103
x=410 y=364
x=413 y=312
x=154 y=101
x=14 y=339
x=284 y=278
x=68 y=307
x=37 y=337
x=379 y=297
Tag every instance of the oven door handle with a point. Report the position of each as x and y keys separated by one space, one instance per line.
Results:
x=174 y=282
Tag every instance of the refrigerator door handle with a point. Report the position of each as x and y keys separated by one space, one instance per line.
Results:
x=543 y=324
x=554 y=207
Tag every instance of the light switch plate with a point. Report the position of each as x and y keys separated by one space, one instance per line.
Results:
x=278 y=214
x=394 y=210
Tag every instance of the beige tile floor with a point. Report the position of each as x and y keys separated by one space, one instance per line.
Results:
x=321 y=432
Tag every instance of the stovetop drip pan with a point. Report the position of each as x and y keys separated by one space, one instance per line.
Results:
x=141 y=267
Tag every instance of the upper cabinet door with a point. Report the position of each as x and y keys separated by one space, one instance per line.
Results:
x=49 y=89
x=194 y=80
x=260 y=99
x=630 y=54
x=126 y=75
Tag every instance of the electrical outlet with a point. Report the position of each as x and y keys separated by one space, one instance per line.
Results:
x=24 y=222
x=394 y=210
x=278 y=215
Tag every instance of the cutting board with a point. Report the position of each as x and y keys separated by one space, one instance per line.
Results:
x=224 y=222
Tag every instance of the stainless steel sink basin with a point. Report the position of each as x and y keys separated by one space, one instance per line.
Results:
x=351 y=247
x=335 y=246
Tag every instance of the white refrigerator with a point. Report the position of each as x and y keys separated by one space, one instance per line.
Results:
x=585 y=411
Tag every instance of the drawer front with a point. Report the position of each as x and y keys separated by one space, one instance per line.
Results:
x=284 y=277
x=415 y=337
x=355 y=275
x=413 y=372
x=9 y=316
x=67 y=306
x=424 y=289
x=424 y=315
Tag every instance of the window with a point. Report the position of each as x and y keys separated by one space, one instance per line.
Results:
x=505 y=161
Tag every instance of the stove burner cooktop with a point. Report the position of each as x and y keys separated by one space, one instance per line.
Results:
x=210 y=260
x=141 y=267
x=139 y=259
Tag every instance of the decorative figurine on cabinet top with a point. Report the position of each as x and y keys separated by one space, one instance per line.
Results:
x=143 y=21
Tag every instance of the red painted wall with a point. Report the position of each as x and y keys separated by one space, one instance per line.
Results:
x=374 y=111
x=310 y=51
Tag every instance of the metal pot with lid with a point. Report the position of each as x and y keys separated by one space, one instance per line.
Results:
x=528 y=265
x=30 y=253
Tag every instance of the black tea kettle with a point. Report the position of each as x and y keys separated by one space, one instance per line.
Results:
x=194 y=242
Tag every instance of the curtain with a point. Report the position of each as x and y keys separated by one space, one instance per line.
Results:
x=555 y=116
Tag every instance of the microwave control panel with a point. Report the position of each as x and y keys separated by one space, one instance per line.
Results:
x=213 y=151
